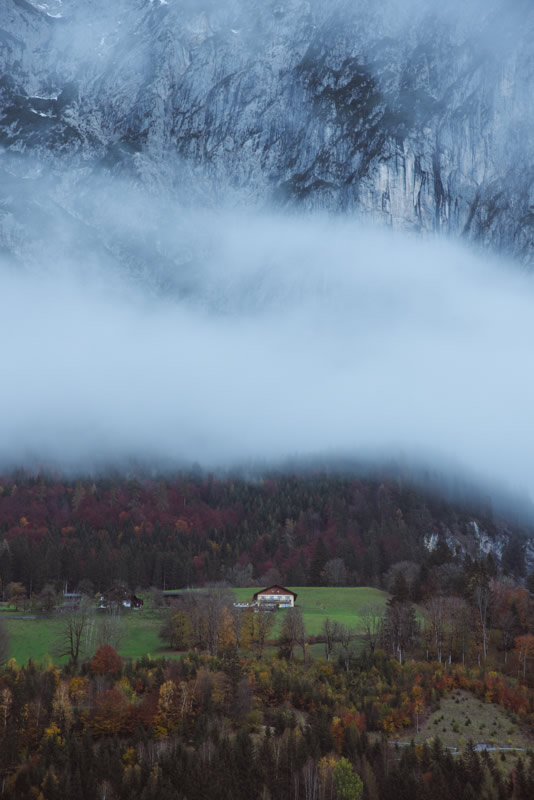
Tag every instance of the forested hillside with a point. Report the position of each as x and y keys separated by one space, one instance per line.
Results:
x=191 y=531
x=228 y=728
x=252 y=704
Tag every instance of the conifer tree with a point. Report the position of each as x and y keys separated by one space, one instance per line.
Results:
x=320 y=557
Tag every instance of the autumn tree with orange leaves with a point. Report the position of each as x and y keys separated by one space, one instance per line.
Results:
x=106 y=661
x=524 y=647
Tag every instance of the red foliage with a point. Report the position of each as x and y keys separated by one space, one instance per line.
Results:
x=106 y=661
x=110 y=713
x=357 y=719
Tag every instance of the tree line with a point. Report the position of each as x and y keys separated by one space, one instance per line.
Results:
x=491 y=623
x=195 y=531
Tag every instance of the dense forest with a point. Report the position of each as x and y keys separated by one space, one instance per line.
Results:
x=231 y=727
x=193 y=531
x=247 y=710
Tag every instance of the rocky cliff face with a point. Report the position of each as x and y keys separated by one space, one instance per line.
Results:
x=407 y=115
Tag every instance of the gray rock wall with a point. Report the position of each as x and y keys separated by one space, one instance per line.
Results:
x=409 y=116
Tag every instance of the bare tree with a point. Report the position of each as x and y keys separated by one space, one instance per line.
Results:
x=109 y=628
x=292 y=632
x=310 y=777
x=371 y=619
x=334 y=572
x=524 y=647
x=330 y=633
x=101 y=627
x=71 y=637
x=346 y=638
x=400 y=628
x=505 y=614
x=205 y=614
x=435 y=613
x=446 y=626
x=263 y=626
x=460 y=627
x=482 y=600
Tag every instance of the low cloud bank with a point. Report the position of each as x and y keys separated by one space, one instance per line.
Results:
x=283 y=338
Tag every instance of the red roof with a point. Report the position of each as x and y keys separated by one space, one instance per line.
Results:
x=275 y=590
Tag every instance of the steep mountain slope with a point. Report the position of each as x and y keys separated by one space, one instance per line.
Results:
x=410 y=115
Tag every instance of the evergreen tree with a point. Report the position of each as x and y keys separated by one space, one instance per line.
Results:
x=248 y=778
x=320 y=557
x=400 y=591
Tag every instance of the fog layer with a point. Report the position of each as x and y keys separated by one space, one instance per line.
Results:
x=287 y=337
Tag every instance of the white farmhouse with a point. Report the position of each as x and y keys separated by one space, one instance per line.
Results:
x=276 y=596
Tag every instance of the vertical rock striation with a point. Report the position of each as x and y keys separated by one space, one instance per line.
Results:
x=407 y=115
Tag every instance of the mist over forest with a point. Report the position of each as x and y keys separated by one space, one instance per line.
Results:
x=266 y=292
x=202 y=263
x=280 y=338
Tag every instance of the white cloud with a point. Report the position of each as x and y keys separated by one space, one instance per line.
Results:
x=300 y=336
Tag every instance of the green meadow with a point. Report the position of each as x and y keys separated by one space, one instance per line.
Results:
x=461 y=717
x=342 y=604
x=35 y=636
x=32 y=637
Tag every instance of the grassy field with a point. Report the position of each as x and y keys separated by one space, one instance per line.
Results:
x=341 y=604
x=31 y=638
x=35 y=636
x=462 y=717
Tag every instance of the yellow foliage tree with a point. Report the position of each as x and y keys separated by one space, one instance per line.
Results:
x=168 y=715
x=6 y=698
x=62 y=715
x=326 y=768
x=227 y=637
